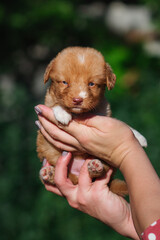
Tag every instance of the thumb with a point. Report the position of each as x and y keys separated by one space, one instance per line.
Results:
x=103 y=181
x=61 y=168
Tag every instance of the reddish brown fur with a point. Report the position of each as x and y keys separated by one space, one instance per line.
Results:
x=69 y=66
x=65 y=67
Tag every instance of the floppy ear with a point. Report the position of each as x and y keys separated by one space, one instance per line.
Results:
x=110 y=77
x=48 y=71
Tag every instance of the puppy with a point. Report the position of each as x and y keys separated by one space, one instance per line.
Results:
x=78 y=80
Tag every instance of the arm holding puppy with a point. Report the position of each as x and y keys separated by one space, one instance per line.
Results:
x=112 y=141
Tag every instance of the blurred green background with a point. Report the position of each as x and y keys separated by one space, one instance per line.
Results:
x=31 y=34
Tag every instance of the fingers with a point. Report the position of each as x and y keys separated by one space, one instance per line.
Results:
x=61 y=169
x=103 y=181
x=78 y=196
x=57 y=134
x=63 y=186
x=84 y=180
x=85 y=183
x=53 y=189
x=56 y=143
x=46 y=112
x=61 y=179
x=74 y=128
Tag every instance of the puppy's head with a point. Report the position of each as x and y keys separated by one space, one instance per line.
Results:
x=79 y=76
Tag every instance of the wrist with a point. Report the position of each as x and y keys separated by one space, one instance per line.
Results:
x=126 y=227
x=129 y=230
x=132 y=157
x=120 y=154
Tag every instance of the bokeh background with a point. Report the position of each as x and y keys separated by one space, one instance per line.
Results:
x=31 y=34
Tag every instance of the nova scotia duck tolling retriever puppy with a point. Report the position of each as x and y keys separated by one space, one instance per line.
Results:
x=79 y=76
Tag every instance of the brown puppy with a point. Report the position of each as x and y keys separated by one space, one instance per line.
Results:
x=78 y=80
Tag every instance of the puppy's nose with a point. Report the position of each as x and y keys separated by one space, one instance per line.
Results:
x=77 y=100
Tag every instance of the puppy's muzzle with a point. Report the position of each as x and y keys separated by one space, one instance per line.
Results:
x=77 y=101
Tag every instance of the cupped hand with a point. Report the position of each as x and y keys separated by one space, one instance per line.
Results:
x=93 y=198
x=106 y=138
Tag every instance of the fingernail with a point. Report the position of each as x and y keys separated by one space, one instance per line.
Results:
x=64 y=153
x=38 y=110
x=38 y=124
x=44 y=162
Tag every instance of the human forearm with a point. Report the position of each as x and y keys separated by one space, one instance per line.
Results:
x=143 y=185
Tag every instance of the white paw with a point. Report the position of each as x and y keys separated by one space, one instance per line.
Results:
x=62 y=115
x=142 y=140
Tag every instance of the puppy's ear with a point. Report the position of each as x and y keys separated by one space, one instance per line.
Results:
x=49 y=68
x=110 y=77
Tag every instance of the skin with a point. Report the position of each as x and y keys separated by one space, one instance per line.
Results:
x=112 y=141
x=94 y=198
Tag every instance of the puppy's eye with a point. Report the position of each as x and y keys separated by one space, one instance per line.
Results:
x=64 y=82
x=91 y=84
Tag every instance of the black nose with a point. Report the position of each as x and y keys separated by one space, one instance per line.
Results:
x=77 y=100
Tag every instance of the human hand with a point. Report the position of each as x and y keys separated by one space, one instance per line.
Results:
x=106 y=138
x=93 y=198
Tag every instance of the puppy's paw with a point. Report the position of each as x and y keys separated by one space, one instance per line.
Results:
x=47 y=174
x=141 y=139
x=62 y=115
x=95 y=168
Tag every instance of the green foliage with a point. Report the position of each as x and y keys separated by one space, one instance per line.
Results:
x=27 y=211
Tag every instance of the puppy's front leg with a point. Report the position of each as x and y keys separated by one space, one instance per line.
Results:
x=62 y=115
